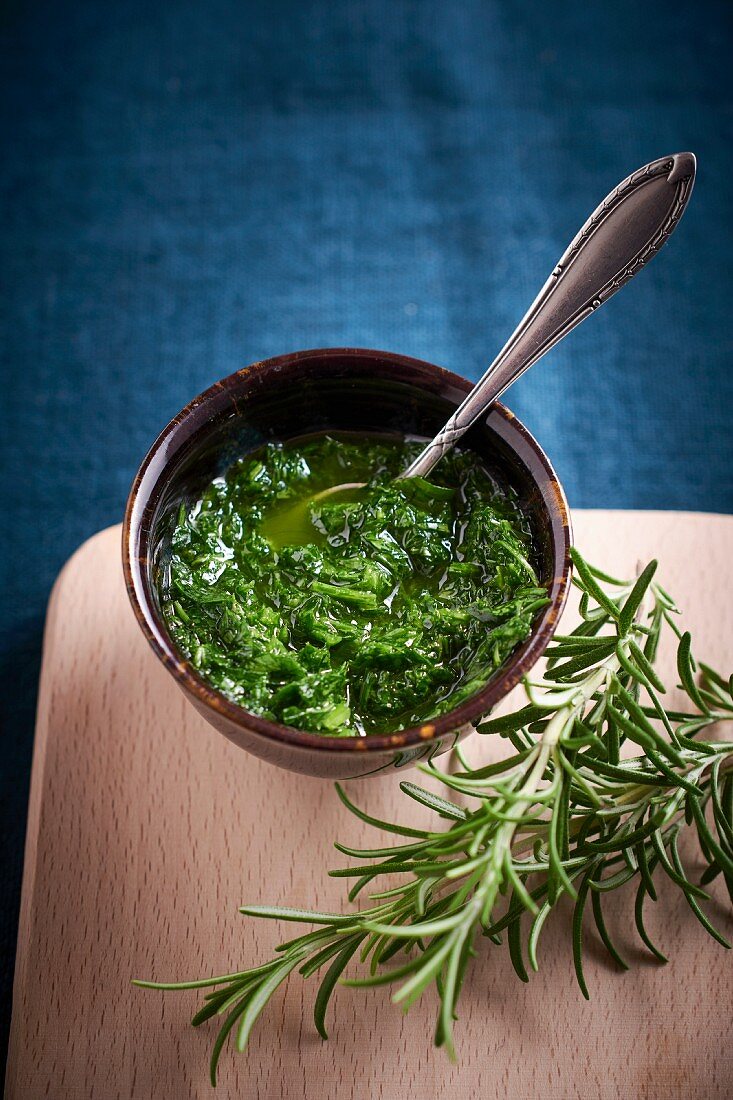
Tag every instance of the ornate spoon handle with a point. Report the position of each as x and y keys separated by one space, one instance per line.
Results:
x=620 y=236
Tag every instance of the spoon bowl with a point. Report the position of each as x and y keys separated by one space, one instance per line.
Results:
x=345 y=487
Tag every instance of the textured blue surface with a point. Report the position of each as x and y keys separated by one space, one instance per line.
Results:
x=187 y=187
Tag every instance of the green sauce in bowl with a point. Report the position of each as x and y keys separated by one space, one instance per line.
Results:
x=364 y=613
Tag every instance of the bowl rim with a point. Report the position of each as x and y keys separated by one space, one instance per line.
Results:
x=506 y=677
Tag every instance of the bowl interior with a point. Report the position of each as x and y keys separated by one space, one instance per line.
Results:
x=331 y=390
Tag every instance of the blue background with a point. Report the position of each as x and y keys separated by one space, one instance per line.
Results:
x=187 y=187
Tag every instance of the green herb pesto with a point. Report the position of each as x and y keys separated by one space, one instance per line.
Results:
x=359 y=614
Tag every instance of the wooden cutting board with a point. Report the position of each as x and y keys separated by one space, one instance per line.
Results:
x=147 y=830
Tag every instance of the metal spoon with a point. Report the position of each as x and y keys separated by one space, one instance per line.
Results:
x=619 y=238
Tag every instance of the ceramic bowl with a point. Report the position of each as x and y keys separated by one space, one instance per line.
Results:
x=343 y=389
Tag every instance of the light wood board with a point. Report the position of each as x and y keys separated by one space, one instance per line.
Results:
x=147 y=829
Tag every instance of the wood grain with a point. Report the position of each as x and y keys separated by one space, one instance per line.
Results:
x=147 y=830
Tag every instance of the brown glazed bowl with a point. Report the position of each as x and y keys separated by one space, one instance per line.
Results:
x=345 y=389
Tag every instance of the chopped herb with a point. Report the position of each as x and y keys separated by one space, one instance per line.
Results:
x=366 y=612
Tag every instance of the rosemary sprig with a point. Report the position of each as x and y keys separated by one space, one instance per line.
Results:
x=564 y=814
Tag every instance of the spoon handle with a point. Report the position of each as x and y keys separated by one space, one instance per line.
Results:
x=620 y=236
